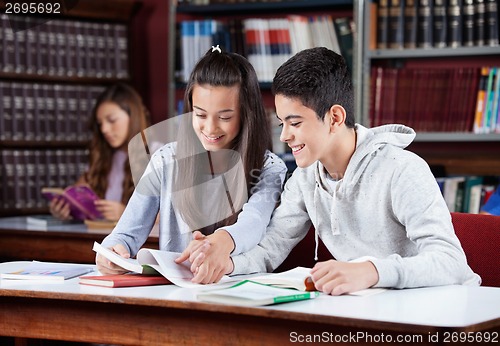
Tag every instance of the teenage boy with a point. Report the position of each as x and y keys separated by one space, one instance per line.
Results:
x=376 y=206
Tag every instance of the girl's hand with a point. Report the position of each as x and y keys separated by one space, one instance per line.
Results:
x=209 y=256
x=60 y=209
x=197 y=242
x=111 y=210
x=105 y=266
x=336 y=278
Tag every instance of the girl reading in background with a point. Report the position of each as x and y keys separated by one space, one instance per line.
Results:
x=227 y=117
x=118 y=115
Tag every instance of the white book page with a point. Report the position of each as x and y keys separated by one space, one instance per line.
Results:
x=164 y=263
x=126 y=263
x=179 y=274
x=294 y=277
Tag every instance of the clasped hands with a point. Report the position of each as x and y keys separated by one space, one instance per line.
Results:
x=209 y=256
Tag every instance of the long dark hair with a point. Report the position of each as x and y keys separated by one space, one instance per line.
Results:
x=100 y=152
x=226 y=70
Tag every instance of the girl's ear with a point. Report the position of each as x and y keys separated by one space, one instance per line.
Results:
x=337 y=116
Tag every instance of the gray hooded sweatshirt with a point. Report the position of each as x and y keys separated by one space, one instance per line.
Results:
x=387 y=209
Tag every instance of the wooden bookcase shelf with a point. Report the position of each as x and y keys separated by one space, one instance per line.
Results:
x=264 y=7
x=42 y=144
x=60 y=79
x=432 y=53
x=456 y=137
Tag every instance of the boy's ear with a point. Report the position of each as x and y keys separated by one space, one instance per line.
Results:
x=337 y=116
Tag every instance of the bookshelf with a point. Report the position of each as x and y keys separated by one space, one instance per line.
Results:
x=458 y=149
x=52 y=68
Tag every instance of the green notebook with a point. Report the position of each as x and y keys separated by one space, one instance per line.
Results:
x=249 y=293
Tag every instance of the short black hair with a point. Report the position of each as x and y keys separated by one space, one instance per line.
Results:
x=319 y=78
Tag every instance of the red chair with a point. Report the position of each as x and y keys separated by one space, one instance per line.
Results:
x=478 y=234
x=480 y=239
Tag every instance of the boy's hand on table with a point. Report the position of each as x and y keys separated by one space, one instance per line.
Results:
x=336 y=278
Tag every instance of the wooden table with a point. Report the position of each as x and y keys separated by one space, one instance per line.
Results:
x=170 y=315
x=60 y=243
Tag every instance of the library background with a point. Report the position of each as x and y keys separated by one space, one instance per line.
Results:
x=430 y=64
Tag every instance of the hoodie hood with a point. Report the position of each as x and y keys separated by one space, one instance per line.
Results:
x=368 y=144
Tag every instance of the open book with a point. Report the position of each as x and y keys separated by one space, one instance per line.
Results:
x=298 y=278
x=250 y=293
x=80 y=199
x=151 y=261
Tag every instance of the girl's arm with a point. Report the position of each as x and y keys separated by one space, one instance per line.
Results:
x=252 y=222
x=136 y=222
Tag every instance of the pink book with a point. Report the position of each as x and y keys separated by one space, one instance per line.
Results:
x=80 y=198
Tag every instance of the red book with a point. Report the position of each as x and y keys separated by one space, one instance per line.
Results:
x=124 y=280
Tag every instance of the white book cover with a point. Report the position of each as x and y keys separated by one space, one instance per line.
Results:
x=48 y=271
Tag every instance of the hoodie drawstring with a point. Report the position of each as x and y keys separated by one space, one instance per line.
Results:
x=316 y=238
x=316 y=234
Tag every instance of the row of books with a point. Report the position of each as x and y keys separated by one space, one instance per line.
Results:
x=430 y=99
x=196 y=37
x=487 y=117
x=25 y=172
x=63 y=48
x=267 y=43
x=400 y=24
x=45 y=112
x=466 y=194
x=271 y=42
